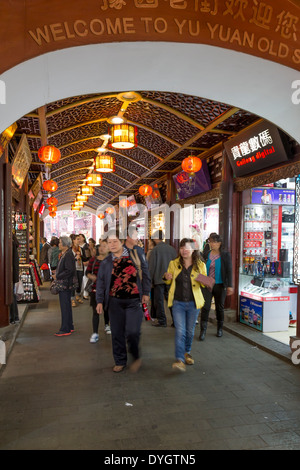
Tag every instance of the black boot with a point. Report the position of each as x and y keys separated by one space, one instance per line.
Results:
x=203 y=326
x=220 y=329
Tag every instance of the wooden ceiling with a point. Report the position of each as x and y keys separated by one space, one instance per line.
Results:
x=170 y=126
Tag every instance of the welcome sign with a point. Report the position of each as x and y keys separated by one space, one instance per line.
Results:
x=255 y=149
x=268 y=29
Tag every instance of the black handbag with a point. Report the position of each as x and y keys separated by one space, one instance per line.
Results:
x=57 y=286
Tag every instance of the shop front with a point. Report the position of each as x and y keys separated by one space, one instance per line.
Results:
x=265 y=167
x=268 y=297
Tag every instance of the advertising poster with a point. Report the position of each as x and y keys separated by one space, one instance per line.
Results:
x=251 y=312
x=278 y=196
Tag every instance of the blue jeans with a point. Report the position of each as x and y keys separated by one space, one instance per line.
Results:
x=185 y=315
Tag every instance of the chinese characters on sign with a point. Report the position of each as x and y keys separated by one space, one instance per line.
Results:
x=251 y=26
x=254 y=143
x=255 y=149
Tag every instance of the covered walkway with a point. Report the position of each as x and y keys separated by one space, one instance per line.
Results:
x=61 y=393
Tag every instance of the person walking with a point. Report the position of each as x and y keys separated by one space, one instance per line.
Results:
x=53 y=254
x=185 y=296
x=219 y=268
x=123 y=284
x=91 y=272
x=65 y=272
x=159 y=260
x=44 y=259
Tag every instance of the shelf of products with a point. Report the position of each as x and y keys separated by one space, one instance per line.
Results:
x=21 y=231
x=31 y=290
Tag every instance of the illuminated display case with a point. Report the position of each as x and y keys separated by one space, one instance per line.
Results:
x=267 y=297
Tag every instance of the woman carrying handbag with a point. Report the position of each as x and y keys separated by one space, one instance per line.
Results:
x=65 y=273
x=185 y=296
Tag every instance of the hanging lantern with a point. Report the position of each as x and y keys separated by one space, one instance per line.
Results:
x=124 y=203
x=191 y=164
x=110 y=210
x=78 y=203
x=94 y=179
x=104 y=163
x=52 y=208
x=87 y=190
x=82 y=198
x=145 y=190
x=123 y=136
x=156 y=194
x=52 y=201
x=101 y=216
x=50 y=186
x=52 y=214
x=49 y=154
x=75 y=208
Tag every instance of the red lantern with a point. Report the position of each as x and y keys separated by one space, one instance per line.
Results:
x=52 y=214
x=50 y=186
x=49 y=154
x=101 y=216
x=124 y=203
x=52 y=208
x=145 y=190
x=110 y=210
x=191 y=164
x=52 y=201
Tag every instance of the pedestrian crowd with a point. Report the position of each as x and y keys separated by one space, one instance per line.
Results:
x=122 y=282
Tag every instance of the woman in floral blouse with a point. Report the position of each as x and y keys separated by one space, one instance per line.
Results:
x=122 y=286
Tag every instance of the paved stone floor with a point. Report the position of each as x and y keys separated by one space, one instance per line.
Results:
x=61 y=393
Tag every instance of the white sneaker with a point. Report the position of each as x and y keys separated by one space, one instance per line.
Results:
x=107 y=329
x=94 y=338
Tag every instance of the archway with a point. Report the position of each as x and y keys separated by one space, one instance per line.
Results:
x=254 y=84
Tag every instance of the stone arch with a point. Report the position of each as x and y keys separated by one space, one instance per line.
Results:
x=257 y=85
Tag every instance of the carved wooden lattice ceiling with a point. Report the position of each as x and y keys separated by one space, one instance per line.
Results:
x=171 y=126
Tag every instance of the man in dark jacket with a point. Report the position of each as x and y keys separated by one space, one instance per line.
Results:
x=123 y=284
x=159 y=260
x=44 y=259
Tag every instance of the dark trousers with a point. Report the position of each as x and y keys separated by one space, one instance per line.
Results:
x=96 y=316
x=79 y=278
x=14 y=311
x=66 y=311
x=46 y=275
x=159 y=293
x=219 y=294
x=125 y=316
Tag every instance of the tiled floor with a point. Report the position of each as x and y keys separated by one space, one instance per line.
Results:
x=61 y=393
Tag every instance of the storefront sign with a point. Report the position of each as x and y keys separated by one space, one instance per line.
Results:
x=191 y=185
x=6 y=136
x=255 y=149
x=21 y=162
x=35 y=188
x=278 y=196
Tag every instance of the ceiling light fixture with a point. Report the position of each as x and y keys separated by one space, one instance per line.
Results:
x=123 y=136
x=104 y=164
x=94 y=179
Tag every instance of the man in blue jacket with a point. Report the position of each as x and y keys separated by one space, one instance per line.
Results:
x=123 y=284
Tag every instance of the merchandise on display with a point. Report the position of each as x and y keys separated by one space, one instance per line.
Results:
x=267 y=295
x=30 y=285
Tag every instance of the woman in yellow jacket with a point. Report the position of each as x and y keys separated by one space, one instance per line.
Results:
x=185 y=298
